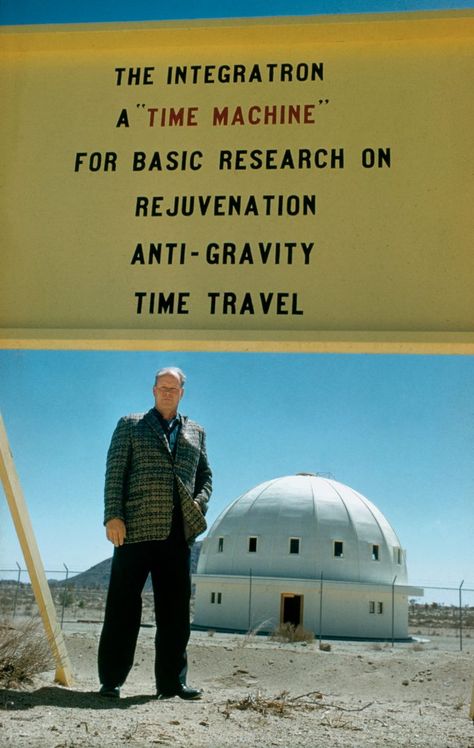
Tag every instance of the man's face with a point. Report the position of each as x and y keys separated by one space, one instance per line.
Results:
x=168 y=392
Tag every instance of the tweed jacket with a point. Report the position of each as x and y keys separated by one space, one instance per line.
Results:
x=142 y=475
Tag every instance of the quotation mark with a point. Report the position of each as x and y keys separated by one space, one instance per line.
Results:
x=324 y=101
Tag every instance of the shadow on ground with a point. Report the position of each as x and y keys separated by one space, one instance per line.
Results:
x=12 y=700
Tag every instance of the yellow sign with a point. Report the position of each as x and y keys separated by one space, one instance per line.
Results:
x=303 y=183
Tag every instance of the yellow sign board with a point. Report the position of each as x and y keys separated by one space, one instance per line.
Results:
x=297 y=183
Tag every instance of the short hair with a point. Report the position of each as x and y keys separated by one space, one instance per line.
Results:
x=174 y=371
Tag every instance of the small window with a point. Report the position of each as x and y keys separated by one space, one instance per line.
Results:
x=253 y=545
x=219 y=598
x=339 y=549
x=220 y=545
x=379 y=607
x=375 y=553
x=371 y=606
x=397 y=555
x=294 y=545
x=213 y=597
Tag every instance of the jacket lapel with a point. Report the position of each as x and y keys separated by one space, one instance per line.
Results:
x=152 y=421
x=181 y=441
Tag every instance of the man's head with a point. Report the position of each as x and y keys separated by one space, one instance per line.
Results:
x=168 y=390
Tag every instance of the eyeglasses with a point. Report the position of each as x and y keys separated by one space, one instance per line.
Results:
x=168 y=390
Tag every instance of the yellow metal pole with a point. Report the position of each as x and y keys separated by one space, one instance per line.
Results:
x=29 y=547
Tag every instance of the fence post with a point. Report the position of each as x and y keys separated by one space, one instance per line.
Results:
x=64 y=594
x=250 y=601
x=17 y=589
x=393 y=610
x=460 y=615
x=321 y=609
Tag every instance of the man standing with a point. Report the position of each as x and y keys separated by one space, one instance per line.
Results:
x=157 y=485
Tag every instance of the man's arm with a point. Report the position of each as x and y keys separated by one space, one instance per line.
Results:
x=116 y=479
x=203 y=482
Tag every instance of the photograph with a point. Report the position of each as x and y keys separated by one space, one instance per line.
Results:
x=236 y=374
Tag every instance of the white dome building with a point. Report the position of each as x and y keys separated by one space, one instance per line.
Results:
x=307 y=550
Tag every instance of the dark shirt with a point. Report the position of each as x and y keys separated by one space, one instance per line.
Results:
x=170 y=428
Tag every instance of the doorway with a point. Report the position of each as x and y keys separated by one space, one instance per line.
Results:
x=291 y=608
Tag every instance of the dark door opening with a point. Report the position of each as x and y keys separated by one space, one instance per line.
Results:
x=291 y=609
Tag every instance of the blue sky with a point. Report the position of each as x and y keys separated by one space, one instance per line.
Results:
x=399 y=429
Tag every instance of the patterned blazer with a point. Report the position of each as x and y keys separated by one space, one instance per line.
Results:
x=142 y=475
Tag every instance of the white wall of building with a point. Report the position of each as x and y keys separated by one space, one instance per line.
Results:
x=244 y=604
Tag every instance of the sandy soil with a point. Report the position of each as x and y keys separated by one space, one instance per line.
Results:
x=256 y=693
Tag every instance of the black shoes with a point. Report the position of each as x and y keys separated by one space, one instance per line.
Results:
x=110 y=692
x=184 y=692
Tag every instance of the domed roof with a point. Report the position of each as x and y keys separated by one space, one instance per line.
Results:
x=302 y=526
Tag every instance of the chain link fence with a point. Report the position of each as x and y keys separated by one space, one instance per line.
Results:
x=447 y=624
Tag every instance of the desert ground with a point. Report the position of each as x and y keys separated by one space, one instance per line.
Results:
x=257 y=692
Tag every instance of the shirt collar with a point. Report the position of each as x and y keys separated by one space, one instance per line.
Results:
x=165 y=424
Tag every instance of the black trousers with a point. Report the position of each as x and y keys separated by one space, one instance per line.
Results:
x=168 y=562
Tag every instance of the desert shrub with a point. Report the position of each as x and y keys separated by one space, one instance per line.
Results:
x=288 y=632
x=468 y=619
x=24 y=652
x=250 y=636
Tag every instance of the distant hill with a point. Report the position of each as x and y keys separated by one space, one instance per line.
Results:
x=97 y=576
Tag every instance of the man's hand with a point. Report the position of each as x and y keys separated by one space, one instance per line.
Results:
x=115 y=531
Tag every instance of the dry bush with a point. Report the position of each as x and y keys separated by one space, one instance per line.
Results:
x=24 y=652
x=261 y=704
x=379 y=646
x=251 y=635
x=283 y=704
x=287 y=632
